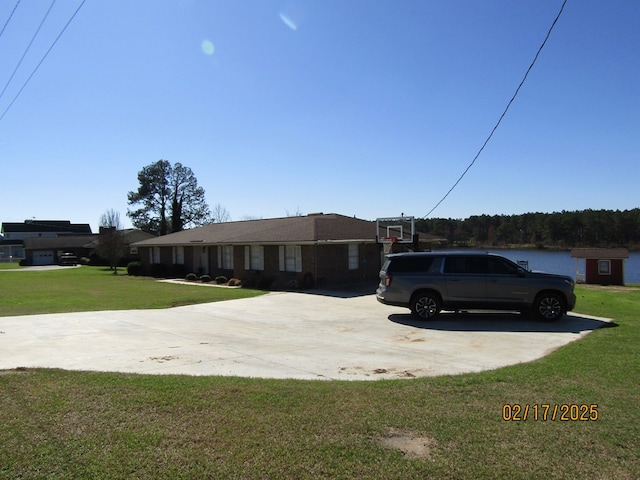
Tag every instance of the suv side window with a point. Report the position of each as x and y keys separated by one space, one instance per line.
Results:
x=410 y=264
x=466 y=265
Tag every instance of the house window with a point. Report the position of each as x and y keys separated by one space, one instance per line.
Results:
x=225 y=257
x=254 y=257
x=290 y=258
x=155 y=255
x=604 y=267
x=354 y=256
x=178 y=255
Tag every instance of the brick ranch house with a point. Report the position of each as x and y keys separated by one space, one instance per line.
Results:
x=312 y=250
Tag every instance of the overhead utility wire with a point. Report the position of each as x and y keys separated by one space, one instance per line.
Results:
x=504 y=112
x=9 y=19
x=24 y=54
x=42 y=60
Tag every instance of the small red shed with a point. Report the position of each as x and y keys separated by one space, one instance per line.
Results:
x=603 y=266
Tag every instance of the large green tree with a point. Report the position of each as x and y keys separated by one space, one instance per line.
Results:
x=170 y=199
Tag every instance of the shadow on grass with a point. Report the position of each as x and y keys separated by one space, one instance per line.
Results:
x=474 y=321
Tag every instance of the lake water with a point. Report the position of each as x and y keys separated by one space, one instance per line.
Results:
x=562 y=262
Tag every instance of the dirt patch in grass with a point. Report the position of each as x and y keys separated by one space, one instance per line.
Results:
x=609 y=288
x=410 y=444
x=14 y=371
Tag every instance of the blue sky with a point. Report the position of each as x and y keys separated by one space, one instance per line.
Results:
x=356 y=107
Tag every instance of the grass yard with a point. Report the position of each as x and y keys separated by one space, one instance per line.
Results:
x=24 y=292
x=9 y=266
x=69 y=425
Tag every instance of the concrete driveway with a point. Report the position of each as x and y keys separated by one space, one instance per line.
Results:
x=319 y=335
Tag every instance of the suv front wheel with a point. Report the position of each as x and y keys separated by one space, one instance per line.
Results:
x=425 y=305
x=548 y=306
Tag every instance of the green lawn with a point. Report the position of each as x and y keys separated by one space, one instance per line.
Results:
x=24 y=292
x=9 y=266
x=59 y=424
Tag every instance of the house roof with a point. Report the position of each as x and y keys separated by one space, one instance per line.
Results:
x=311 y=228
x=600 y=253
x=56 y=226
x=132 y=235
x=59 y=243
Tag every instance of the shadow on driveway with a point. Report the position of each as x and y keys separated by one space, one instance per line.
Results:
x=501 y=322
x=344 y=292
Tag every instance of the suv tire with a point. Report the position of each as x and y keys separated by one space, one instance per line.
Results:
x=549 y=307
x=425 y=305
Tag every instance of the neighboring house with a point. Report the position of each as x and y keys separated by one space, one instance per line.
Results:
x=316 y=249
x=40 y=242
x=43 y=228
x=11 y=250
x=132 y=236
x=129 y=236
x=47 y=250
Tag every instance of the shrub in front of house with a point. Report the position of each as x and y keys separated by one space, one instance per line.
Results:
x=134 y=268
x=158 y=270
x=221 y=279
x=192 y=277
x=177 y=271
x=266 y=283
x=235 y=282
x=205 y=278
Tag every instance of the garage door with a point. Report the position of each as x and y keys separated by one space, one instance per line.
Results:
x=42 y=257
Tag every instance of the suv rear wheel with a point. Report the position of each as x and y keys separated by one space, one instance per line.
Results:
x=548 y=306
x=425 y=305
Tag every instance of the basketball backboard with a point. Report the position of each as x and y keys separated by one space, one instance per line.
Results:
x=395 y=229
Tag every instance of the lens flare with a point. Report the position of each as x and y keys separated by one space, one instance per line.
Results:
x=207 y=47
x=288 y=22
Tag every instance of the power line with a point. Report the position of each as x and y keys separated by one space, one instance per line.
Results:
x=9 y=19
x=505 y=110
x=24 y=54
x=42 y=60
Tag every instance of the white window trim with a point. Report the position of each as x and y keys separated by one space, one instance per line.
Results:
x=254 y=257
x=225 y=257
x=353 y=256
x=178 y=255
x=602 y=263
x=290 y=258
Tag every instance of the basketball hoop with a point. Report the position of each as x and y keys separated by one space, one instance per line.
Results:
x=387 y=244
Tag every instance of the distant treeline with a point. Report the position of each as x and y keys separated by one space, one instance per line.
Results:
x=585 y=228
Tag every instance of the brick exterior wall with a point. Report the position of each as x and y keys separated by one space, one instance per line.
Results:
x=322 y=265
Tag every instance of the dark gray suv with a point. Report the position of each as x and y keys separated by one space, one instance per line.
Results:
x=429 y=282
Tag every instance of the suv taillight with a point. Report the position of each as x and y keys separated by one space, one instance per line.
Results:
x=387 y=279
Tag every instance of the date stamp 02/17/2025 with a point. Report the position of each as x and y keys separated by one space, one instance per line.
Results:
x=564 y=412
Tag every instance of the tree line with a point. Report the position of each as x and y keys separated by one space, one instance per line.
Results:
x=565 y=229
